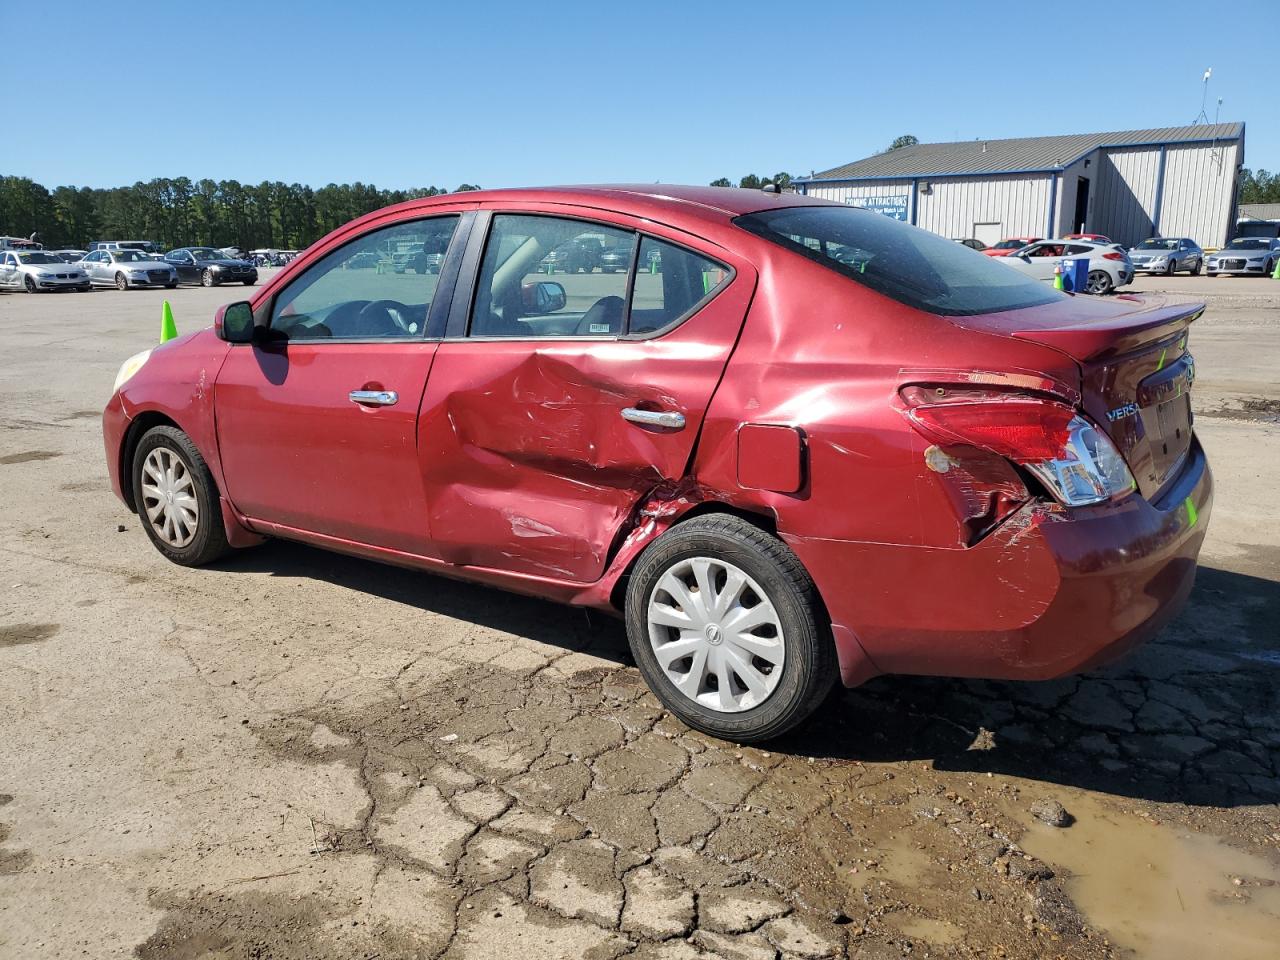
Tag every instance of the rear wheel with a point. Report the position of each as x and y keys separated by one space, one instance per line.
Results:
x=122 y=282
x=723 y=623
x=177 y=499
x=1099 y=282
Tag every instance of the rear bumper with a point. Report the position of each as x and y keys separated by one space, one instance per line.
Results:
x=1051 y=592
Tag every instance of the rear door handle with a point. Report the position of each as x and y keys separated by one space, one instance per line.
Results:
x=374 y=398
x=655 y=418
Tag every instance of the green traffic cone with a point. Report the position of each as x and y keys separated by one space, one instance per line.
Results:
x=1275 y=274
x=168 y=329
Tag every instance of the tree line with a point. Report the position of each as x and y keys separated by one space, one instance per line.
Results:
x=1260 y=187
x=181 y=212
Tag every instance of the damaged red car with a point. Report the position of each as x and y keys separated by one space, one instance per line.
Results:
x=790 y=441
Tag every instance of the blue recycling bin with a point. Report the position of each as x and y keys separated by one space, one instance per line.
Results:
x=1075 y=274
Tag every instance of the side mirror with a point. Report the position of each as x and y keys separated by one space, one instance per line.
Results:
x=542 y=296
x=234 y=322
x=1025 y=257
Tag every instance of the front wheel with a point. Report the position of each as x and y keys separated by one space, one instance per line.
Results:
x=176 y=498
x=29 y=284
x=1099 y=283
x=723 y=623
x=207 y=279
x=1171 y=268
x=122 y=282
x=250 y=283
x=1195 y=271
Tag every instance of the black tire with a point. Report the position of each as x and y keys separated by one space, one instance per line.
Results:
x=1269 y=269
x=29 y=284
x=1100 y=283
x=250 y=283
x=810 y=666
x=86 y=288
x=1195 y=271
x=1171 y=267
x=172 y=286
x=210 y=540
x=207 y=279
x=122 y=282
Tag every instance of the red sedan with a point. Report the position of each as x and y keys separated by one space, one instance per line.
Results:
x=1010 y=245
x=792 y=442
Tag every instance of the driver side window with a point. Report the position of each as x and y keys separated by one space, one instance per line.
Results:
x=379 y=286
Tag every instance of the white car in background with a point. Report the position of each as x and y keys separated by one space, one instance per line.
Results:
x=1109 y=264
x=36 y=270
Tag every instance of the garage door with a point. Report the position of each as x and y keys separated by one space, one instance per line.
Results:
x=988 y=233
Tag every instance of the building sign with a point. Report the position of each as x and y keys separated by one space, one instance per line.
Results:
x=890 y=204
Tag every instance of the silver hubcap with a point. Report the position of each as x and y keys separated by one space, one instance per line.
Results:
x=716 y=634
x=169 y=497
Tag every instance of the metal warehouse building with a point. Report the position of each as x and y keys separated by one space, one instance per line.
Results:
x=1174 y=181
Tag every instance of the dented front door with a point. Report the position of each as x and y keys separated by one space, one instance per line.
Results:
x=532 y=462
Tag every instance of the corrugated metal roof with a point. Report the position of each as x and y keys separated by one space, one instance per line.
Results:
x=1260 y=211
x=1010 y=156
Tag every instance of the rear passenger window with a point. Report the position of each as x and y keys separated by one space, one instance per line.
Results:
x=551 y=277
x=671 y=283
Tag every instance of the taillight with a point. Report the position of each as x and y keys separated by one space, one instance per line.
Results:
x=1113 y=255
x=1074 y=460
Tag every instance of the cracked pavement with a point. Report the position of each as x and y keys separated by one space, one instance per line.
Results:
x=302 y=755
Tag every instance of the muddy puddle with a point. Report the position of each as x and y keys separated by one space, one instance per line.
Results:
x=1162 y=891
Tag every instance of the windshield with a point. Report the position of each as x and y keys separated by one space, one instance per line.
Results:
x=908 y=264
x=38 y=257
x=1158 y=244
x=129 y=256
x=1249 y=243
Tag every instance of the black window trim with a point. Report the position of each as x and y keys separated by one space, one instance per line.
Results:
x=440 y=302
x=459 y=328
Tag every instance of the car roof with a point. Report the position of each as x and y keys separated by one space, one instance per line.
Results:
x=693 y=202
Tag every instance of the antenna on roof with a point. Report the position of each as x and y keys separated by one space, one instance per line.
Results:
x=1204 y=96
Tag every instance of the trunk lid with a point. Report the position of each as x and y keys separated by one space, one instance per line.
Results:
x=1135 y=371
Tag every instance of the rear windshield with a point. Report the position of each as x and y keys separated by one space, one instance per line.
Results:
x=910 y=265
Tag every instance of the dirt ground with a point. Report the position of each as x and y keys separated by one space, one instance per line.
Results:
x=300 y=755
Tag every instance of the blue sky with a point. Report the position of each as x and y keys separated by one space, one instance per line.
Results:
x=404 y=94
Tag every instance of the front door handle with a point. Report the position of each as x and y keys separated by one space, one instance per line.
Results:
x=655 y=418
x=374 y=398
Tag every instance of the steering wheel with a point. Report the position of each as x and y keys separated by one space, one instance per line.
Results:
x=393 y=310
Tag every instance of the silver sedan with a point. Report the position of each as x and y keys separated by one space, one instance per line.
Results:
x=123 y=269
x=1244 y=256
x=35 y=270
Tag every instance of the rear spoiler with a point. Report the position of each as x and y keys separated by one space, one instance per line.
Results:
x=1117 y=336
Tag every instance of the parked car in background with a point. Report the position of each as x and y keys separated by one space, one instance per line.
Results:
x=582 y=254
x=998 y=480
x=69 y=256
x=145 y=246
x=1167 y=255
x=1109 y=266
x=1244 y=256
x=417 y=262
x=1090 y=237
x=972 y=243
x=38 y=270
x=1009 y=245
x=209 y=268
x=124 y=268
